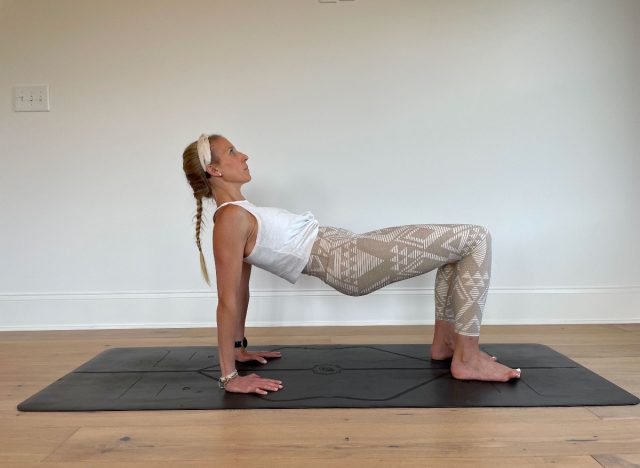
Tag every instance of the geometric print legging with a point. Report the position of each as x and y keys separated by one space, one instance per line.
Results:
x=358 y=264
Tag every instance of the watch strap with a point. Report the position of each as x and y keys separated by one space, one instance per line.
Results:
x=241 y=344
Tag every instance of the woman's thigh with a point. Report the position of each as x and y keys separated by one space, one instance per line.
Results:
x=358 y=264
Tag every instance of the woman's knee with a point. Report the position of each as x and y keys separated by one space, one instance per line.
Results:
x=485 y=233
x=479 y=235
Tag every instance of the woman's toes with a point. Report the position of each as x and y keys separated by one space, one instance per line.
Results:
x=489 y=356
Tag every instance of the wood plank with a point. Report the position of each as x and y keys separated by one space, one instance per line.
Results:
x=33 y=443
x=616 y=412
x=630 y=460
x=304 y=417
x=527 y=462
x=412 y=438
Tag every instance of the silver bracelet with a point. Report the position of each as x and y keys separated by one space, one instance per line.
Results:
x=224 y=380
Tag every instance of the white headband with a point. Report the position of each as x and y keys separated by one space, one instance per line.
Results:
x=204 y=151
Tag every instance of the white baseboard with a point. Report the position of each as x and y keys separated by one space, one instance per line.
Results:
x=311 y=307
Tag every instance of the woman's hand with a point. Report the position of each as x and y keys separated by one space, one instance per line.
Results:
x=242 y=355
x=252 y=384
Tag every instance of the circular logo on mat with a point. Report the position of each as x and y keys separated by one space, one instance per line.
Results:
x=327 y=369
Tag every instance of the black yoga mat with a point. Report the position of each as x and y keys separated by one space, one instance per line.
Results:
x=322 y=376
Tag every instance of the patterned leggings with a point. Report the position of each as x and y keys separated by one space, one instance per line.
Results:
x=358 y=264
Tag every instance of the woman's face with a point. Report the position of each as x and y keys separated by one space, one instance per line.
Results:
x=233 y=164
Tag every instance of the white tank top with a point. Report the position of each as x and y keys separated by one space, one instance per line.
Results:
x=284 y=239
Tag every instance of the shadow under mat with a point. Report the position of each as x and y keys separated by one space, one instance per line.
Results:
x=322 y=376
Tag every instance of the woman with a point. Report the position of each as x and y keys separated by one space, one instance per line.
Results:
x=289 y=245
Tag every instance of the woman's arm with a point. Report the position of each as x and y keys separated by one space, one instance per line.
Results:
x=229 y=241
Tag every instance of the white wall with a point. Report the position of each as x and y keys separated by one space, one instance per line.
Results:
x=521 y=116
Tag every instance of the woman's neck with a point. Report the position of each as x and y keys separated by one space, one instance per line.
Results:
x=223 y=196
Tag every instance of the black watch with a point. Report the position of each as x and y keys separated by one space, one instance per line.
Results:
x=241 y=344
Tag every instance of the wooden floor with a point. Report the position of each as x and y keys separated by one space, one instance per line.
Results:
x=392 y=437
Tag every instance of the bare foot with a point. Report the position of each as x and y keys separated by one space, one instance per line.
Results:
x=479 y=368
x=469 y=364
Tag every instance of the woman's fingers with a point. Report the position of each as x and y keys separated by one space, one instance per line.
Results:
x=255 y=355
x=268 y=384
x=261 y=355
x=271 y=383
x=253 y=383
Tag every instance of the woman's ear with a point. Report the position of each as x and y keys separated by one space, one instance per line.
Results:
x=212 y=170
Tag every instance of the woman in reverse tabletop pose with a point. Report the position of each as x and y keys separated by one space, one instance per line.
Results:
x=289 y=245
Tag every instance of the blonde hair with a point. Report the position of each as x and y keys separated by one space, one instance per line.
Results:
x=198 y=179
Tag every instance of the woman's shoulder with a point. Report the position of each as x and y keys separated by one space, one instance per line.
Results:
x=232 y=220
x=230 y=212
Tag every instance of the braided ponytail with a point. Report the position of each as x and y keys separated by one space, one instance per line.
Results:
x=197 y=179
x=203 y=265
